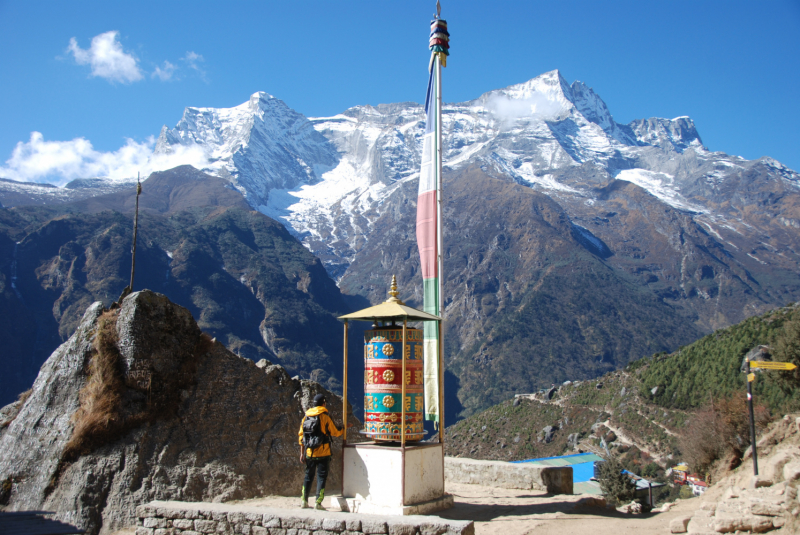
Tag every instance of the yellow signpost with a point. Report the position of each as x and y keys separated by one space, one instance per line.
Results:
x=751 y=377
x=769 y=365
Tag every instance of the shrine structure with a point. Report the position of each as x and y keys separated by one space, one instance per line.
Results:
x=395 y=473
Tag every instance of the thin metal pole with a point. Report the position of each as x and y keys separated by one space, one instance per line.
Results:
x=441 y=385
x=403 y=390
x=439 y=188
x=752 y=419
x=344 y=403
x=440 y=240
x=403 y=420
x=344 y=389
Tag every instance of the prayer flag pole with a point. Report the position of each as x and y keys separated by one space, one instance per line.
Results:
x=430 y=225
x=439 y=237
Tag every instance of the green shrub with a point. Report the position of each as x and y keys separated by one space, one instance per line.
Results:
x=617 y=487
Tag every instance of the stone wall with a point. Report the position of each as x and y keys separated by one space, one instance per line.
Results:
x=176 y=518
x=553 y=479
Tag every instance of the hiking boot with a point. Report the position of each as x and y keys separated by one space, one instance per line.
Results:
x=303 y=504
x=319 y=507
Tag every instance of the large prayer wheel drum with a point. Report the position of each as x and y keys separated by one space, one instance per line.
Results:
x=383 y=370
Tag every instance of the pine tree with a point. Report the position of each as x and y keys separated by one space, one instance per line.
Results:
x=617 y=487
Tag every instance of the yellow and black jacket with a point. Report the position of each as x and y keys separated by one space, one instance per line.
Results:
x=326 y=426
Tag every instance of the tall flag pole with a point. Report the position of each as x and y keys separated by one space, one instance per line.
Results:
x=429 y=220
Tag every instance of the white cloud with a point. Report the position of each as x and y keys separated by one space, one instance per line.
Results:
x=166 y=73
x=58 y=162
x=107 y=58
x=536 y=105
x=193 y=60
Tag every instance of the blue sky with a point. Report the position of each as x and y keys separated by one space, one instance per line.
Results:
x=95 y=95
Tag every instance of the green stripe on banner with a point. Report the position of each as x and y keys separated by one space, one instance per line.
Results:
x=430 y=289
x=431 y=331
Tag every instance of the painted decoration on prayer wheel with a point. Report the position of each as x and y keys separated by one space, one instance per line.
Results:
x=383 y=368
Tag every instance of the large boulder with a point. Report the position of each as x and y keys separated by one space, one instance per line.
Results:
x=140 y=405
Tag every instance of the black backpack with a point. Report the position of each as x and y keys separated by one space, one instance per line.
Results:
x=313 y=437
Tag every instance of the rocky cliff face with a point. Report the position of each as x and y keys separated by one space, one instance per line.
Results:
x=530 y=296
x=140 y=405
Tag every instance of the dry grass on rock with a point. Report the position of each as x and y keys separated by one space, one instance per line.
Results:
x=98 y=419
x=109 y=408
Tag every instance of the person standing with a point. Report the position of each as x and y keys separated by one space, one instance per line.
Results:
x=315 y=448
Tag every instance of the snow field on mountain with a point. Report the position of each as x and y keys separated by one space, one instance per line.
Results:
x=661 y=185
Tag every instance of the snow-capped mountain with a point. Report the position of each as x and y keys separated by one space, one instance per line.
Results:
x=330 y=179
x=326 y=178
x=259 y=146
x=13 y=193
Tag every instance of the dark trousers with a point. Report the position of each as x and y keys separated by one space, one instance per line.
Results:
x=319 y=465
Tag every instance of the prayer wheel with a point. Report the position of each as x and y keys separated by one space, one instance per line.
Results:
x=383 y=370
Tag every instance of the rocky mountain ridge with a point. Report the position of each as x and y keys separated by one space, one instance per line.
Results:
x=13 y=193
x=260 y=145
x=245 y=279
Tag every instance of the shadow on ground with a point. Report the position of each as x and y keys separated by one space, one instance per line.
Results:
x=486 y=512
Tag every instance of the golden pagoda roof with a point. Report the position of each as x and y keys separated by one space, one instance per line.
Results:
x=392 y=308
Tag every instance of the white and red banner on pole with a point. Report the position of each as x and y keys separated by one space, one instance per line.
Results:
x=429 y=219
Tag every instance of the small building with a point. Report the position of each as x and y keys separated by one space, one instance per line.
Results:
x=680 y=473
x=584 y=481
x=644 y=488
x=698 y=487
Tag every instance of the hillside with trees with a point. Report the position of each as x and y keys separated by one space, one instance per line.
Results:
x=689 y=405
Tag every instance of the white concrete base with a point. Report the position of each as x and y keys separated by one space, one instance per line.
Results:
x=353 y=505
x=389 y=480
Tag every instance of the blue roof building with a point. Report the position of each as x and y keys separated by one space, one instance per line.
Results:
x=583 y=471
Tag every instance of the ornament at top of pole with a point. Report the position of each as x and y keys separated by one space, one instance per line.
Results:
x=393 y=292
x=440 y=38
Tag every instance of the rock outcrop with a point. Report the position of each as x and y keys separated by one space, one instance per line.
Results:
x=140 y=405
x=744 y=503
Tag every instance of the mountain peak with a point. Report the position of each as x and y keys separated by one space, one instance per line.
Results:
x=592 y=107
x=261 y=100
x=543 y=98
x=549 y=83
x=261 y=95
x=280 y=144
